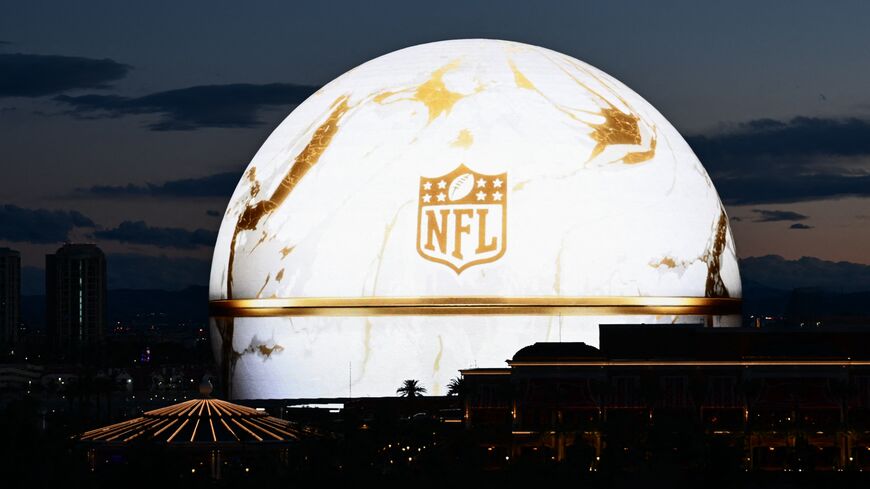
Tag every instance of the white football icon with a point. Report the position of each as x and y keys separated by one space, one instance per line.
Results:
x=460 y=187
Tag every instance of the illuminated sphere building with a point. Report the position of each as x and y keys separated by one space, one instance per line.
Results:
x=445 y=205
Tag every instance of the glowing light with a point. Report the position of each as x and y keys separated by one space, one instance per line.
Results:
x=333 y=207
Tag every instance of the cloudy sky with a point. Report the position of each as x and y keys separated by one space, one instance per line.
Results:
x=129 y=123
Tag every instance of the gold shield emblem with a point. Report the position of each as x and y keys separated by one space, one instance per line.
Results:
x=462 y=218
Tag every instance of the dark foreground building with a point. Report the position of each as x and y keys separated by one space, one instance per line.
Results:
x=654 y=406
x=10 y=298
x=198 y=439
x=692 y=397
x=75 y=296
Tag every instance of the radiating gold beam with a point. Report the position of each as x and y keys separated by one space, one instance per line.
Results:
x=115 y=430
x=173 y=419
x=142 y=426
x=172 y=437
x=154 y=424
x=170 y=410
x=257 y=424
x=220 y=408
x=161 y=430
x=230 y=429
x=104 y=429
x=500 y=306
x=119 y=432
x=195 y=427
x=240 y=425
x=192 y=410
x=233 y=409
x=273 y=424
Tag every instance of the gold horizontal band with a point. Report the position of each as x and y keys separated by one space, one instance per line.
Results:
x=459 y=306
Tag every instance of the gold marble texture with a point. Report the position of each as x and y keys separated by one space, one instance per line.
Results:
x=304 y=161
x=606 y=216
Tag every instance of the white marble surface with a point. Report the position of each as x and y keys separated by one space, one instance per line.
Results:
x=322 y=357
x=605 y=198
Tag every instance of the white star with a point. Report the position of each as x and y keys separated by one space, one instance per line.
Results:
x=427 y=198
x=496 y=196
x=496 y=183
x=442 y=184
x=441 y=197
x=481 y=183
x=481 y=196
x=427 y=186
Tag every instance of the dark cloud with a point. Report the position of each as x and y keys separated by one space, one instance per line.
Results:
x=798 y=225
x=137 y=232
x=35 y=75
x=213 y=213
x=800 y=137
x=136 y=271
x=777 y=272
x=39 y=225
x=770 y=161
x=235 y=105
x=765 y=215
x=752 y=189
x=217 y=185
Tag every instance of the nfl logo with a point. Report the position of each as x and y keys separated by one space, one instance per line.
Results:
x=462 y=218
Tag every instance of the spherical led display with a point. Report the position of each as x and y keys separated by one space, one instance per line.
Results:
x=468 y=170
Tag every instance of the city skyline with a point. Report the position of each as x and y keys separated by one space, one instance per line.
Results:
x=136 y=145
x=611 y=244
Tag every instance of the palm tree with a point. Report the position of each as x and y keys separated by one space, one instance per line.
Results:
x=411 y=388
x=456 y=387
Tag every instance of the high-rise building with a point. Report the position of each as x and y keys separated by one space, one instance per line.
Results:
x=10 y=297
x=75 y=296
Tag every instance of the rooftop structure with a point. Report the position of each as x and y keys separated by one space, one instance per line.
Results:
x=653 y=394
x=206 y=422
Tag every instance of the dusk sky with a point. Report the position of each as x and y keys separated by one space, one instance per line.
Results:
x=128 y=124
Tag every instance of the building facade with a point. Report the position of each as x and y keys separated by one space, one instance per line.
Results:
x=692 y=397
x=75 y=283
x=10 y=298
